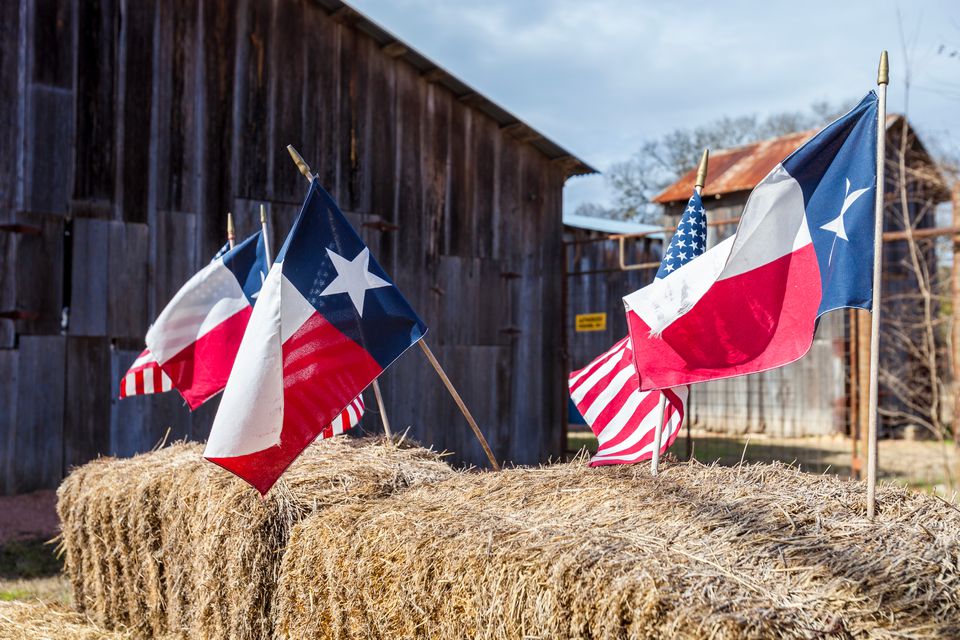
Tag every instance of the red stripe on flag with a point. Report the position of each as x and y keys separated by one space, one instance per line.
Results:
x=323 y=371
x=751 y=322
x=201 y=370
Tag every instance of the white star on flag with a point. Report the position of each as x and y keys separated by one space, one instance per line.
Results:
x=353 y=278
x=836 y=225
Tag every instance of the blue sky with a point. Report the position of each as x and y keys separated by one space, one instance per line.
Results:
x=600 y=77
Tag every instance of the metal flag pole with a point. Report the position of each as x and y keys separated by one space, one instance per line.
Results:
x=883 y=79
x=305 y=170
x=662 y=408
x=266 y=235
x=231 y=231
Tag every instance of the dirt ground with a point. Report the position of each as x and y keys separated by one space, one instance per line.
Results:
x=28 y=517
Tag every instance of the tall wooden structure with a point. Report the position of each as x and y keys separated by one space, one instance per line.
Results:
x=131 y=128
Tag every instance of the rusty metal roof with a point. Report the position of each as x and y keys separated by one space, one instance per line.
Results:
x=741 y=168
x=344 y=13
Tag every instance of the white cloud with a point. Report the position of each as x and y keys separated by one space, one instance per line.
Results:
x=599 y=77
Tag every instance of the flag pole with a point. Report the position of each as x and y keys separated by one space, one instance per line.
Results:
x=662 y=407
x=883 y=79
x=266 y=235
x=305 y=170
x=231 y=231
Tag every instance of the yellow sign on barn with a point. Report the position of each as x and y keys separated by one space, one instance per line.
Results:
x=591 y=322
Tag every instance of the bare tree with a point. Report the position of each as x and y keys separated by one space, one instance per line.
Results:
x=918 y=355
x=663 y=160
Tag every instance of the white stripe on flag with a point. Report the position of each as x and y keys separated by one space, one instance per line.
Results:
x=148 y=380
x=609 y=393
x=620 y=420
x=612 y=351
x=596 y=376
x=209 y=298
x=142 y=359
x=130 y=380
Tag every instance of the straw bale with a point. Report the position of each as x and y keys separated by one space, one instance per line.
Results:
x=167 y=543
x=41 y=621
x=567 y=551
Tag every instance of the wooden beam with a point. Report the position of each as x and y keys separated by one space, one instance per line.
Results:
x=934 y=232
x=434 y=75
x=394 y=49
x=345 y=15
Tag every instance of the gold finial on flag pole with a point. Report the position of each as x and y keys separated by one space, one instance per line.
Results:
x=883 y=79
x=231 y=231
x=300 y=162
x=702 y=170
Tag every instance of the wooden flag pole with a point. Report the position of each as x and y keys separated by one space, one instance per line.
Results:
x=305 y=170
x=883 y=79
x=266 y=235
x=383 y=411
x=662 y=407
x=231 y=231
x=456 y=398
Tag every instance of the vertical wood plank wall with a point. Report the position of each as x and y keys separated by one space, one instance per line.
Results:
x=131 y=128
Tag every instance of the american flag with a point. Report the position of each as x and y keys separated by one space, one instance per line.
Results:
x=221 y=252
x=144 y=377
x=348 y=418
x=607 y=391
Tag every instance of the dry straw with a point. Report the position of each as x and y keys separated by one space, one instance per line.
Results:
x=571 y=552
x=167 y=543
x=40 y=621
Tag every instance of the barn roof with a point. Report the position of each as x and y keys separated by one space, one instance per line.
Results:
x=741 y=168
x=609 y=225
x=395 y=48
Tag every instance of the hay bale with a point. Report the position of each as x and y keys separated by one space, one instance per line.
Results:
x=571 y=552
x=38 y=620
x=167 y=543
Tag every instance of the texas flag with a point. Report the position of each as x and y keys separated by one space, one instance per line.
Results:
x=327 y=323
x=804 y=247
x=195 y=338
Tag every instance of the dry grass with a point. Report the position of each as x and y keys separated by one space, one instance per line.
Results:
x=41 y=621
x=167 y=543
x=570 y=552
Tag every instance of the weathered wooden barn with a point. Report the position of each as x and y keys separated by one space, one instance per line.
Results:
x=131 y=128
